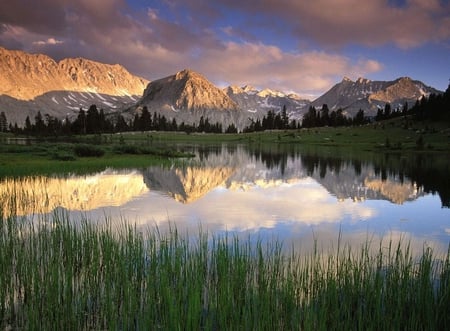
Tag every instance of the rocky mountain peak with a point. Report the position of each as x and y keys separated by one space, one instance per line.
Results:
x=25 y=76
x=249 y=89
x=268 y=92
x=362 y=80
x=186 y=90
x=402 y=88
x=188 y=74
x=370 y=95
x=35 y=82
x=233 y=89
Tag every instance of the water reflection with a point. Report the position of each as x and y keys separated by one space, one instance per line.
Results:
x=238 y=169
x=41 y=194
x=274 y=192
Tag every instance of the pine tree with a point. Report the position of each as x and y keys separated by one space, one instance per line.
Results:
x=387 y=111
x=145 y=121
x=3 y=122
x=28 y=127
x=79 y=125
x=284 y=118
x=359 y=118
x=92 y=120
x=39 y=125
x=324 y=115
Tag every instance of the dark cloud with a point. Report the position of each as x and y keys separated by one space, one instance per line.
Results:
x=45 y=16
x=339 y=23
x=174 y=34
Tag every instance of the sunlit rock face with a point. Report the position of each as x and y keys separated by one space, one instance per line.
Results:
x=184 y=91
x=44 y=194
x=25 y=76
x=187 y=96
x=35 y=82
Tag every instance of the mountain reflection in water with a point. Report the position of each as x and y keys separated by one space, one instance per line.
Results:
x=273 y=191
x=239 y=170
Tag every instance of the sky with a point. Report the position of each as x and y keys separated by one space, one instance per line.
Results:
x=299 y=46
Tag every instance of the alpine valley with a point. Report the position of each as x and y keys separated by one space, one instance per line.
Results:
x=34 y=82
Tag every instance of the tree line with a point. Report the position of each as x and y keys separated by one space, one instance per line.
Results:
x=312 y=118
x=94 y=121
x=435 y=107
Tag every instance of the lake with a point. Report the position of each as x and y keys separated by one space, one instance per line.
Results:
x=300 y=197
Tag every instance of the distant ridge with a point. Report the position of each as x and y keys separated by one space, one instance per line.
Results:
x=370 y=95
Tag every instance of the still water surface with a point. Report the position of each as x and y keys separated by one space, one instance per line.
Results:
x=296 y=197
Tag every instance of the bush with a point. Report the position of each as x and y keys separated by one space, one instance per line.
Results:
x=85 y=150
x=63 y=157
x=128 y=149
x=420 y=143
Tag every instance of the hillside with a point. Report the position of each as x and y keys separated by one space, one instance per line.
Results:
x=32 y=82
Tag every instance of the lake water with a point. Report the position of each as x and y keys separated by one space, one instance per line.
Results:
x=279 y=192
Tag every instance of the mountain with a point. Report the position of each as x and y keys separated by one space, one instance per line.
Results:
x=186 y=90
x=370 y=95
x=257 y=103
x=187 y=96
x=32 y=82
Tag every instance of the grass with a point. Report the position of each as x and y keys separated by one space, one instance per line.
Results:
x=59 y=275
x=49 y=158
x=400 y=134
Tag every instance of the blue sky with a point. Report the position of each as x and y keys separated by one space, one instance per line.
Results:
x=290 y=45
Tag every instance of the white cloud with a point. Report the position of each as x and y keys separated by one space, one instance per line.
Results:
x=49 y=41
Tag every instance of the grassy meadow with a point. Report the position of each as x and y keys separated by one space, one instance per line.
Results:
x=391 y=135
x=80 y=157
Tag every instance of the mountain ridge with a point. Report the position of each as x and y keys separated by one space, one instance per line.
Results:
x=72 y=74
x=35 y=82
x=370 y=95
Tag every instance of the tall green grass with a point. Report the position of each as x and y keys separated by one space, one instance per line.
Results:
x=56 y=274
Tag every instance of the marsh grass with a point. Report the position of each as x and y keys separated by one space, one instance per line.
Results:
x=57 y=274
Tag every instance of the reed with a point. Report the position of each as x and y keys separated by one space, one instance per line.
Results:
x=58 y=274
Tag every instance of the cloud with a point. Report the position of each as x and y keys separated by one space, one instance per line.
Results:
x=340 y=23
x=268 y=66
x=49 y=41
x=259 y=207
x=155 y=43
